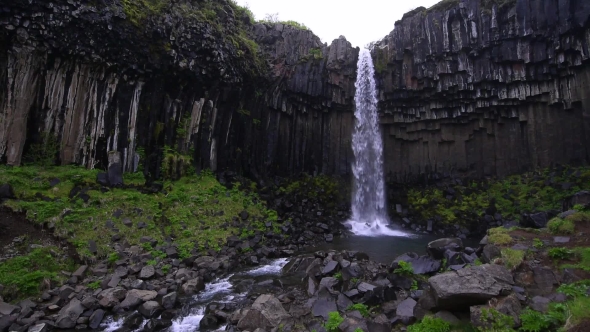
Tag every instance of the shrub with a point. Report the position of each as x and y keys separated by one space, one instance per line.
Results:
x=537 y=243
x=404 y=269
x=430 y=324
x=560 y=226
x=560 y=253
x=334 y=320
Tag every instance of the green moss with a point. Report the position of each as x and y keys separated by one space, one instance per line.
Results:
x=138 y=10
x=560 y=253
x=189 y=210
x=581 y=254
x=430 y=324
x=496 y=321
x=23 y=276
x=537 y=243
x=499 y=236
x=94 y=285
x=328 y=191
x=512 y=258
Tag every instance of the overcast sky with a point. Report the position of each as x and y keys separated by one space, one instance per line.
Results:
x=361 y=22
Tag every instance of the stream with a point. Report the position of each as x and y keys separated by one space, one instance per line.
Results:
x=219 y=291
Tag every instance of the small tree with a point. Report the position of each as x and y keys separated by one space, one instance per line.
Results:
x=272 y=18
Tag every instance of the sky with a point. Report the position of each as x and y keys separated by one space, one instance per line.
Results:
x=361 y=22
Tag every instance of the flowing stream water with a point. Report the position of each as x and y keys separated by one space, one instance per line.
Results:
x=221 y=291
x=369 y=213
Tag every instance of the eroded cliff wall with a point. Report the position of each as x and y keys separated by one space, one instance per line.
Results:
x=174 y=84
x=486 y=87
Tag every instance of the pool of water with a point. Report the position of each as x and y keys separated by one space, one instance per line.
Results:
x=384 y=249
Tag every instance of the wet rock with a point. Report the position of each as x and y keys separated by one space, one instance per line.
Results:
x=69 y=314
x=323 y=306
x=96 y=319
x=8 y=309
x=266 y=312
x=193 y=286
x=470 y=286
x=437 y=248
x=489 y=253
x=169 y=300
x=405 y=310
x=43 y=327
x=133 y=321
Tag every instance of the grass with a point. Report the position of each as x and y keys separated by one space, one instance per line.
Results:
x=499 y=236
x=334 y=320
x=196 y=211
x=22 y=276
x=582 y=254
x=512 y=258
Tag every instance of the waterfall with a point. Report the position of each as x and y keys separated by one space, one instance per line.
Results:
x=369 y=213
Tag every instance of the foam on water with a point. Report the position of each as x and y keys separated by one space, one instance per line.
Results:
x=110 y=324
x=369 y=215
x=273 y=268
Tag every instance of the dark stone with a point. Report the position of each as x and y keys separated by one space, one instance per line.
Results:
x=323 y=306
x=96 y=319
x=102 y=179
x=330 y=268
x=133 y=321
x=92 y=247
x=489 y=253
x=420 y=264
x=536 y=220
x=208 y=322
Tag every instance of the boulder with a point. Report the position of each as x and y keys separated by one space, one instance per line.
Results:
x=353 y=322
x=115 y=169
x=267 y=312
x=437 y=248
x=536 y=220
x=169 y=300
x=68 y=315
x=6 y=192
x=208 y=322
x=485 y=317
x=144 y=295
x=490 y=252
x=150 y=309
x=470 y=286
x=323 y=306
x=131 y=302
x=147 y=272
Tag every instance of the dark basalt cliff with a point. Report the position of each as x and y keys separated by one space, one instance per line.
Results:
x=486 y=89
x=466 y=87
x=176 y=84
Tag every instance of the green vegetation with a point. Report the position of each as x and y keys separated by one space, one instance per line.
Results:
x=338 y=275
x=582 y=254
x=334 y=320
x=495 y=321
x=561 y=226
x=94 y=285
x=430 y=324
x=442 y=6
x=358 y=329
x=138 y=10
x=510 y=197
x=499 y=236
x=363 y=309
x=26 y=275
x=404 y=269
x=295 y=24
x=316 y=53
x=45 y=152
x=414 y=285
x=327 y=191
x=195 y=210
x=560 y=253
x=512 y=258
x=537 y=243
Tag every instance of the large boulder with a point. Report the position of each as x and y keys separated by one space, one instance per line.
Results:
x=6 y=192
x=437 y=248
x=150 y=309
x=536 y=220
x=267 y=312
x=470 y=286
x=421 y=264
x=68 y=315
x=193 y=286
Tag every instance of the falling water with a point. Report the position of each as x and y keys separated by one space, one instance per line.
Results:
x=369 y=215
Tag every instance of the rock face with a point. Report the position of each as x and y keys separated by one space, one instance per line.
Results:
x=479 y=88
x=464 y=86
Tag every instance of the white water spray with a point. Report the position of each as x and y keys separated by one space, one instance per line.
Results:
x=369 y=215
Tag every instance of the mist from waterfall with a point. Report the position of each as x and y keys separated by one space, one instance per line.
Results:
x=369 y=213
